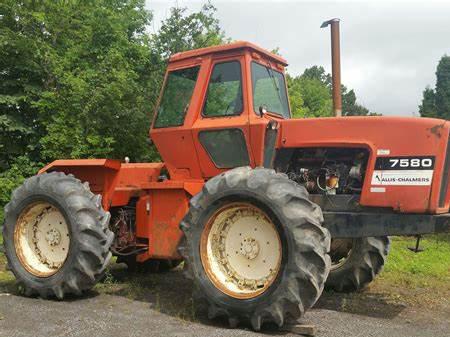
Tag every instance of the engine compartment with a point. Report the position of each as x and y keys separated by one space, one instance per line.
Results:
x=329 y=170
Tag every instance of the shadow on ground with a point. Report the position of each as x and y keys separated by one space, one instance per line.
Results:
x=171 y=293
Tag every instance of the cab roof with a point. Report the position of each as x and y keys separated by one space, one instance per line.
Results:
x=227 y=47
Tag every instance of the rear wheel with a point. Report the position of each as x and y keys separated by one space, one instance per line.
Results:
x=356 y=262
x=255 y=247
x=56 y=236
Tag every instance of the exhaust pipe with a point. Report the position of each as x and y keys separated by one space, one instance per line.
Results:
x=335 y=65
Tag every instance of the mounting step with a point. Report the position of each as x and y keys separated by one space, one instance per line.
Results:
x=300 y=328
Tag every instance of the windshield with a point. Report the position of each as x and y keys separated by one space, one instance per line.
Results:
x=269 y=90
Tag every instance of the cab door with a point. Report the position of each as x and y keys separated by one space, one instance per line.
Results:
x=221 y=131
x=268 y=92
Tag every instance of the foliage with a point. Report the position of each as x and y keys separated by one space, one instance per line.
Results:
x=436 y=102
x=21 y=167
x=182 y=31
x=311 y=95
x=23 y=66
x=428 y=106
x=79 y=79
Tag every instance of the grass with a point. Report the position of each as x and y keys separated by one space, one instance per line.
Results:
x=408 y=279
x=417 y=278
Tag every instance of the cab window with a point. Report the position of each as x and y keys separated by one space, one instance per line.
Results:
x=176 y=97
x=269 y=90
x=224 y=95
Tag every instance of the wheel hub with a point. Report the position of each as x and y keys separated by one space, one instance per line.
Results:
x=53 y=237
x=249 y=248
x=241 y=250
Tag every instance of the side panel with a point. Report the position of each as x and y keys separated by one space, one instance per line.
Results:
x=158 y=216
x=391 y=137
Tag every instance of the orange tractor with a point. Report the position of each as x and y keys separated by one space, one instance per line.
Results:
x=265 y=210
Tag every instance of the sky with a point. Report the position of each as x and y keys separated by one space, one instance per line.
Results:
x=389 y=49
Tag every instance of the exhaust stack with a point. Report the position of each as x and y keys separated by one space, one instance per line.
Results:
x=335 y=65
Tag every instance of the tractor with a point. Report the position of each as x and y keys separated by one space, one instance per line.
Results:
x=265 y=210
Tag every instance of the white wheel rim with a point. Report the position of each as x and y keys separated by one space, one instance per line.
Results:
x=241 y=250
x=41 y=239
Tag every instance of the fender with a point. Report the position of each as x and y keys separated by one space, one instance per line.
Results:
x=117 y=182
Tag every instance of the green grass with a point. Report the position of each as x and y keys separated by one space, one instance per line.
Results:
x=417 y=277
x=433 y=263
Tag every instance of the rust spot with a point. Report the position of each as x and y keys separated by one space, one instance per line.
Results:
x=436 y=130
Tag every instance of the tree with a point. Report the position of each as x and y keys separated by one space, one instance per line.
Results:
x=310 y=95
x=22 y=70
x=80 y=79
x=349 y=105
x=443 y=88
x=182 y=31
x=428 y=106
x=436 y=102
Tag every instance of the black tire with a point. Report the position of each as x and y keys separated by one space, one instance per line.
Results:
x=364 y=262
x=305 y=243
x=90 y=239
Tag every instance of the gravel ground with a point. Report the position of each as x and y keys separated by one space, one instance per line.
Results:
x=110 y=315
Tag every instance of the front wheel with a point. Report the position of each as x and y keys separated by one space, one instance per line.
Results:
x=255 y=247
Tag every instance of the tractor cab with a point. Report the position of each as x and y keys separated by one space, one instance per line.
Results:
x=210 y=114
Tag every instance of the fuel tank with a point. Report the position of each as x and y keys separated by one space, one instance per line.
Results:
x=408 y=164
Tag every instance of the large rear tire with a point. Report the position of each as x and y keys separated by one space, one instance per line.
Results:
x=356 y=262
x=255 y=247
x=56 y=236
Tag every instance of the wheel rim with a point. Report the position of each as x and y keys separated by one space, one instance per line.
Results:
x=340 y=252
x=241 y=250
x=41 y=239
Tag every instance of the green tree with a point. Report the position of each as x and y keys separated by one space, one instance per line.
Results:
x=428 y=106
x=80 y=79
x=310 y=95
x=182 y=31
x=22 y=70
x=436 y=102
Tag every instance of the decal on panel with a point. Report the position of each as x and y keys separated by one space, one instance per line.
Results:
x=410 y=171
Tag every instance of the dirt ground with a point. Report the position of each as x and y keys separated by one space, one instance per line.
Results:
x=161 y=305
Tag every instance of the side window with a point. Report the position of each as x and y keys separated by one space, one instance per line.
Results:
x=176 y=97
x=226 y=148
x=224 y=95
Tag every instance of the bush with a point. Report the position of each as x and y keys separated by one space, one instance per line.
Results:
x=21 y=168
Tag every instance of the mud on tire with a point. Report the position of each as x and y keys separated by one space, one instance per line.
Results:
x=87 y=223
x=364 y=261
x=305 y=243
